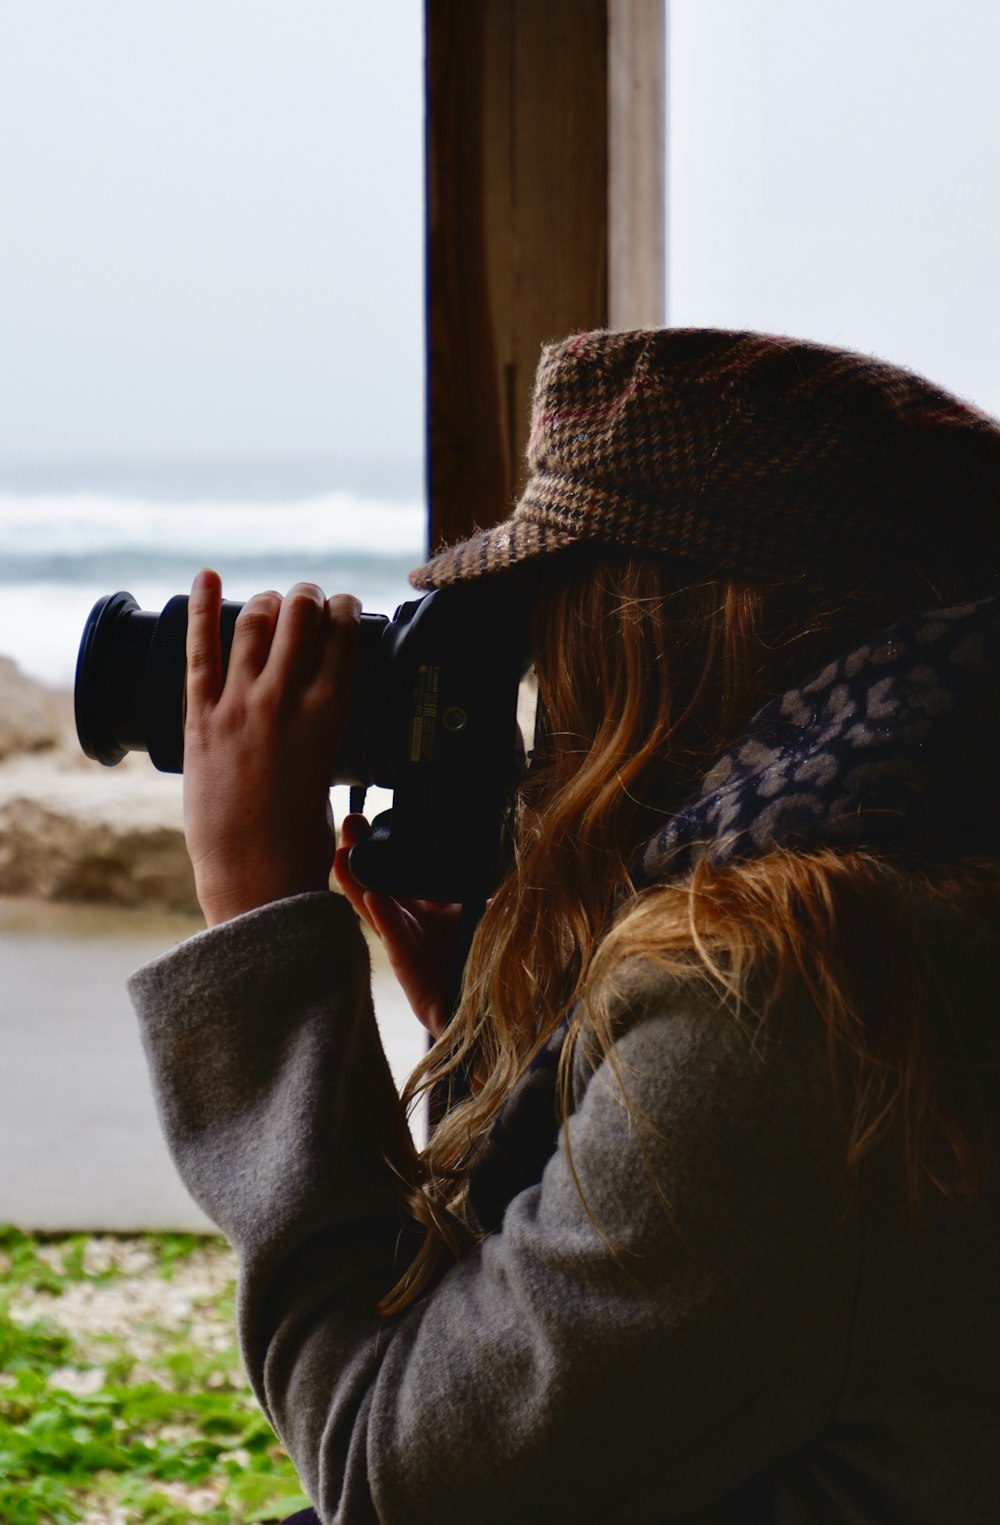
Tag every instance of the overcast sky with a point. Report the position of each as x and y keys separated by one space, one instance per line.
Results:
x=210 y=210
x=210 y=227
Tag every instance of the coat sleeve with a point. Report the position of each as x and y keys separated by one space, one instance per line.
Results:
x=661 y=1318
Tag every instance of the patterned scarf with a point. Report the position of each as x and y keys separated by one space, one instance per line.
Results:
x=894 y=747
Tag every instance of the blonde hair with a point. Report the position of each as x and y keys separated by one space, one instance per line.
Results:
x=837 y=927
x=645 y=673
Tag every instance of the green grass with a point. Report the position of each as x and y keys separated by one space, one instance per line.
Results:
x=122 y=1397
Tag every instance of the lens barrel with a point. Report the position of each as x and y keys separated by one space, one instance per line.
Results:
x=109 y=671
x=130 y=675
x=130 y=688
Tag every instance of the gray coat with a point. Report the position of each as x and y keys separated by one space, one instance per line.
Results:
x=763 y=1344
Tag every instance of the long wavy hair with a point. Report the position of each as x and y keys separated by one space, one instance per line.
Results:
x=646 y=671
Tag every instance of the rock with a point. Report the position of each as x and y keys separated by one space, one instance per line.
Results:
x=53 y=856
x=33 y=718
x=71 y=830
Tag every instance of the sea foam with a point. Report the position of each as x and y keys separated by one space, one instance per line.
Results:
x=60 y=553
x=84 y=523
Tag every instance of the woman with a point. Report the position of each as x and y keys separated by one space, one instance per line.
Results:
x=714 y=1233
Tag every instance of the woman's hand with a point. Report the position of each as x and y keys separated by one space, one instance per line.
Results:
x=259 y=748
x=419 y=936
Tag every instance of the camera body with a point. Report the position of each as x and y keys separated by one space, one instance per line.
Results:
x=433 y=718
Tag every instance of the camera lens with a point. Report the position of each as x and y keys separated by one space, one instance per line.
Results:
x=129 y=693
x=130 y=689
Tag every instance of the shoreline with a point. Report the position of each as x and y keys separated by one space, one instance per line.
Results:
x=90 y=920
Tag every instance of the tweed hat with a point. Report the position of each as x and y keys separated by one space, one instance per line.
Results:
x=754 y=456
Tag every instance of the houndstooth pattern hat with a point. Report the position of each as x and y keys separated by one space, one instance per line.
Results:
x=753 y=456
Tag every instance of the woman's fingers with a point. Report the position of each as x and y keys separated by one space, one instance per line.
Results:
x=297 y=644
x=353 y=829
x=418 y=935
x=204 y=644
x=302 y=638
x=335 y=674
x=262 y=746
x=400 y=935
x=253 y=636
x=390 y=921
x=346 y=881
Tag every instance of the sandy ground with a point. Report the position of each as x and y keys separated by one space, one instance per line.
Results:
x=80 y=1146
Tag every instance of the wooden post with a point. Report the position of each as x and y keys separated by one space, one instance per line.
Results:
x=545 y=213
x=637 y=139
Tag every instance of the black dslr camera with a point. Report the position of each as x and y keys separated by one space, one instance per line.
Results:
x=433 y=719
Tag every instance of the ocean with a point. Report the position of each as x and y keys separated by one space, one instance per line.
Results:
x=63 y=546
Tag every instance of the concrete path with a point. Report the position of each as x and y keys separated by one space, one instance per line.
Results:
x=80 y=1146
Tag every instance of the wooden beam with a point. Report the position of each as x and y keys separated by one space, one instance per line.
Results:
x=466 y=466
x=545 y=217
x=637 y=140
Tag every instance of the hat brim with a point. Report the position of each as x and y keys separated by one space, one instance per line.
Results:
x=490 y=551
